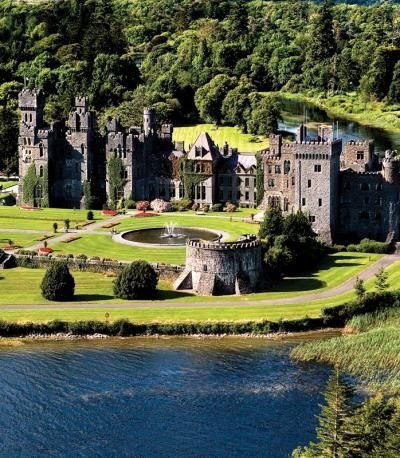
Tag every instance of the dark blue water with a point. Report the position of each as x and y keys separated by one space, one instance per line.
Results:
x=294 y=112
x=164 y=398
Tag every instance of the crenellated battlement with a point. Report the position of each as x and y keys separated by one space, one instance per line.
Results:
x=224 y=246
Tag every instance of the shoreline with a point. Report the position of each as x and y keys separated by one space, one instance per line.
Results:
x=97 y=337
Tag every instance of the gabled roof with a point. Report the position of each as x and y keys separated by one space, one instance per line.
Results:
x=209 y=150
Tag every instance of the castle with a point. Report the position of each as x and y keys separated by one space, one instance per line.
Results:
x=343 y=188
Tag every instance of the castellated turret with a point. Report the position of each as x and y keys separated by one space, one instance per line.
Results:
x=390 y=167
x=149 y=121
x=31 y=103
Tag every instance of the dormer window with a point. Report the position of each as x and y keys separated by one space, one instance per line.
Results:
x=198 y=151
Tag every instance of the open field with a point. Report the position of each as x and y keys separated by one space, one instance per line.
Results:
x=220 y=135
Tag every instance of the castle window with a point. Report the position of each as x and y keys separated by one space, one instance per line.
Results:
x=274 y=202
x=26 y=117
x=29 y=141
x=125 y=174
x=277 y=169
x=30 y=117
x=38 y=191
x=255 y=196
x=286 y=167
x=287 y=183
x=303 y=201
x=41 y=171
x=317 y=168
x=271 y=182
x=319 y=202
x=360 y=155
x=124 y=152
x=364 y=187
x=247 y=182
x=41 y=150
x=311 y=219
x=204 y=267
x=246 y=195
x=270 y=169
x=293 y=180
x=24 y=141
x=198 y=151
x=309 y=184
x=181 y=191
x=379 y=187
x=285 y=204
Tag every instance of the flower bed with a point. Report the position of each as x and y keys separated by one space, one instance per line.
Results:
x=71 y=239
x=45 y=250
x=144 y=214
x=110 y=212
x=109 y=225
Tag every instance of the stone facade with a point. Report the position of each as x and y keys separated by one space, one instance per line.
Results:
x=222 y=268
x=343 y=188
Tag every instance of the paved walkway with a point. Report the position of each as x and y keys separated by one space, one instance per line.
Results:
x=369 y=272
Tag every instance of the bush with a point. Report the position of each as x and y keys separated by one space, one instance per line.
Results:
x=231 y=208
x=58 y=284
x=195 y=207
x=142 y=205
x=90 y=216
x=130 y=203
x=217 y=208
x=136 y=281
x=183 y=204
x=206 y=208
x=160 y=206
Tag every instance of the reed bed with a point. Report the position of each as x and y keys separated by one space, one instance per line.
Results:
x=372 y=356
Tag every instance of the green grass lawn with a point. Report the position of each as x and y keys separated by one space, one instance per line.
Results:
x=97 y=289
x=41 y=220
x=7 y=183
x=19 y=239
x=220 y=135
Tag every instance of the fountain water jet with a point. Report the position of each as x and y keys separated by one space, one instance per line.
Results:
x=170 y=231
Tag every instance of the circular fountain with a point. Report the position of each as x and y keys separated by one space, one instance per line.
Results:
x=171 y=235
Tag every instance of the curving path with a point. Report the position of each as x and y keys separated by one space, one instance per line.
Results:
x=345 y=287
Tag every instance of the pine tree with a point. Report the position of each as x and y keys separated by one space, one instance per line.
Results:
x=381 y=280
x=333 y=438
x=359 y=288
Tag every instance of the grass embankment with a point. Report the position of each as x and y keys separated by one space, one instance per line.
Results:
x=372 y=354
x=232 y=135
x=8 y=183
x=351 y=106
x=173 y=306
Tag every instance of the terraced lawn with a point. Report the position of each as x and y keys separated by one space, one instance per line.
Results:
x=220 y=135
x=41 y=220
x=8 y=183
x=20 y=239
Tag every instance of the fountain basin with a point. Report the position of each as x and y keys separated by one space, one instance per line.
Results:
x=157 y=236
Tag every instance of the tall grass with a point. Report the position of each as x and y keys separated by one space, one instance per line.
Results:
x=373 y=356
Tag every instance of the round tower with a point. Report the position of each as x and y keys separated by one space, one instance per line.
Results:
x=390 y=166
x=149 y=121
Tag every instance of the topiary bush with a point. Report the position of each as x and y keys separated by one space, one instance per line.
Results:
x=58 y=284
x=136 y=281
x=90 y=215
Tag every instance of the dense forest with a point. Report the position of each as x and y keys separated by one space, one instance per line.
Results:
x=192 y=59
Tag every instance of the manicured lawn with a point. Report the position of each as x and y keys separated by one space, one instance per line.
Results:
x=97 y=289
x=6 y=184
x=21 y=239
x=41 y=220
x=220 y=135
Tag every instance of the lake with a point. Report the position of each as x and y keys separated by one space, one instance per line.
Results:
x=294 y=112
x=157 y=397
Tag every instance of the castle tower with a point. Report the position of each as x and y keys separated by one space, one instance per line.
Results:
x=301 y=133
x=149 y=121
x=31 y=105
x=390 y=167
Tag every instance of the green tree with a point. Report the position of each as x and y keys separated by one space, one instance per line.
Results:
x=333 y=438
x=359 y=288
x=58 y=284
x=116 y=181
x=136 y=281
x=209 y=98
x=272 y=224
x=381 y=280
x=236 y=107
x=265 y=115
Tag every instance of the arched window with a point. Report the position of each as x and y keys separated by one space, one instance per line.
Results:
x=30 y=117
x=41 y=171
x=83 y=149
x=286 y=167
x=41 y=149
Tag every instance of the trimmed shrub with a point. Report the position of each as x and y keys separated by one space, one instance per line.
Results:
x=142 y=205
x=206 y=208
x=160 y=205
x=217 y=208
x=136 y=281
x=58 y=284
x=370 y=246
x=231 y=208
x=90 y=215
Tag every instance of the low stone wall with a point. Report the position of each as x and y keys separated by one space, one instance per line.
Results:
x=165 y=271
